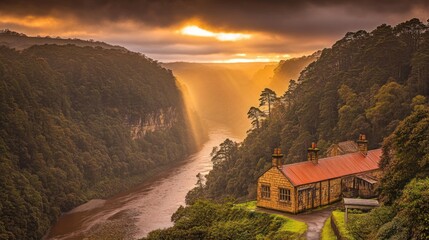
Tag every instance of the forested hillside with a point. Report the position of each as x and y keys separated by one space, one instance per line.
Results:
x=78 y=123
x=366 y=83
x=290 y=69
x=20 y=41
x=404 y=185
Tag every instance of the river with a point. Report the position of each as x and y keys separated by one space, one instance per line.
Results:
x=149 y=206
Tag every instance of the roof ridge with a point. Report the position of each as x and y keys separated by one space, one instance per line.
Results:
x=332 y=167
x=327 y=158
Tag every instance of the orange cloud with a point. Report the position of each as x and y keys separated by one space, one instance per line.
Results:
x=221 y=36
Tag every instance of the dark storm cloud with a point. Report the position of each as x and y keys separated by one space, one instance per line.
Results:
x=286 y=16
x=277 y=27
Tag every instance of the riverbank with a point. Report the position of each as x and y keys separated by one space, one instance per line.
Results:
x=109 y=190
x=145 y=207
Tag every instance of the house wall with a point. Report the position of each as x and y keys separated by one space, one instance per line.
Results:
x=335 y=190
x=325 y=192
x=303 y=197
x=308 y=196
x=318 y=194
x=275 y=179
x=334 y=150
x=366 y=190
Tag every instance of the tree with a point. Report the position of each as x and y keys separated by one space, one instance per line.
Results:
x=288 y=96
x=267 y=98
x=391 y=105
x=255 y=114
x=410 y=33
x=224 y=152
x=197 y=192
x=405 y=154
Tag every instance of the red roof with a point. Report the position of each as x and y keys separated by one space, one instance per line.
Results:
x=331 y=167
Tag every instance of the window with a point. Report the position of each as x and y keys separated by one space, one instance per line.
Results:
x=265 y=191
x=284 y=195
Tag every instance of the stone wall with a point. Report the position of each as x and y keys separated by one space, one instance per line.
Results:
x=303 y=197
x=335 y=190
x=275 y=179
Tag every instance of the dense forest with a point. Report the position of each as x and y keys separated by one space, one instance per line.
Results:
x=20 y=41
x=78 y=123
x=366 y=83
x=404 y=185
x=289 y=69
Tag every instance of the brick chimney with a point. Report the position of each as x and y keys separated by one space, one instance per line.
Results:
x=313 y=154
x=277 y=157
x=362 y=144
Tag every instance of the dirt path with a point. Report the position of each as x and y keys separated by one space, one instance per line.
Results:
x=314 y=219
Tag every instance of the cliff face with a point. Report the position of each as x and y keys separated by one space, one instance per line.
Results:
x=163 y=119
x=63 y=135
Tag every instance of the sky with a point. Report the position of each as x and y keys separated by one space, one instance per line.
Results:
x=208 y=30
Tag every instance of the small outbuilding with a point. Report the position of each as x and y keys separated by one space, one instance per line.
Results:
x=357 y=203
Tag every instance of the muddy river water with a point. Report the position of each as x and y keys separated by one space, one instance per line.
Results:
x=146 y=207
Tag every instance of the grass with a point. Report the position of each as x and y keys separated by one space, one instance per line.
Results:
x=250 y=206
x=339 y=222
x=289 y=225
x=327 y=232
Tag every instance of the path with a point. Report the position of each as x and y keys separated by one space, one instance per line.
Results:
x=314 y=219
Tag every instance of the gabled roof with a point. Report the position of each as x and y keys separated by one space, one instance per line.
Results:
x=331 y=167
x=348 y=146
x=345 y=147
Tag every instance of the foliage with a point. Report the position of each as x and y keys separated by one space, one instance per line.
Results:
x=404 y=184
x=338 y=218
x=208 y=220
x=289 y=225
x=250 y=205
x=20 y=41
x=256 y=116
x=225 y=152
x=406 y=219
x=405 y=154
x=66 y=114
x=267 y=98
x=362 y=226
x=290 y=69
x=327 y=232
x=366 y=83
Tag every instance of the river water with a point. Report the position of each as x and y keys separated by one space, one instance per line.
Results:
x=146 y=207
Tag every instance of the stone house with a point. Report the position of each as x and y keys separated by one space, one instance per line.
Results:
x=342 y=148
x=316 y=182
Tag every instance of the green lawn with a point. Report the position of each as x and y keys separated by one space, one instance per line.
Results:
x=327 y=232
x=289 y=225
x=247 y=205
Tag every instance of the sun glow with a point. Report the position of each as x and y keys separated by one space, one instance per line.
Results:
x=221 y=36
x=31 y=21
x=196 y=31
x=251 y=58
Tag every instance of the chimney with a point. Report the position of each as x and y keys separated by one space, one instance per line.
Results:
x=277 y=156
x=362 y=144
x=313 y=154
